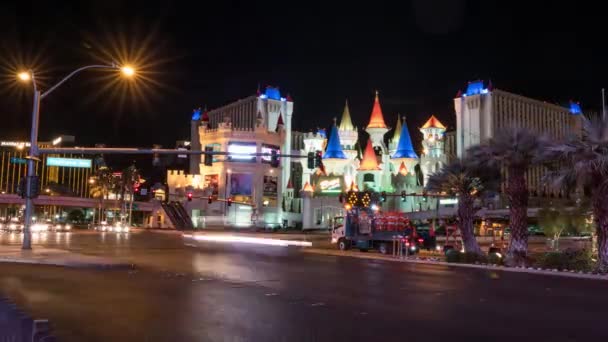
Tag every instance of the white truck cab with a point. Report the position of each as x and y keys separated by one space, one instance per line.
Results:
x=337 y=231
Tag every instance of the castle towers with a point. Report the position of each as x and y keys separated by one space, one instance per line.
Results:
x=433 y=155
x=376 y=127
x=348 y=133
x=334 y=158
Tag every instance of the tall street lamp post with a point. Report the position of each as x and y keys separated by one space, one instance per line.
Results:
x=31 y=183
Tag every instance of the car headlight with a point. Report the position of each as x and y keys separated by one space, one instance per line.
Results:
x=68 y=227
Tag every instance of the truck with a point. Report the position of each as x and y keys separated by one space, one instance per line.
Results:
x=365 y=229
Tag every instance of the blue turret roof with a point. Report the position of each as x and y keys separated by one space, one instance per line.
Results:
x=575 y=108
x=334 y=148
x=196 y=114
x=405 y=148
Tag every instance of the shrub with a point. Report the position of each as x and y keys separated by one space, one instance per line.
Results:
x=570 y=259
x=452 y=255
x=471 y=258
x=495 y=259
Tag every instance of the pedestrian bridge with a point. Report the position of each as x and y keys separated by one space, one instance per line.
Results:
x=77 y=202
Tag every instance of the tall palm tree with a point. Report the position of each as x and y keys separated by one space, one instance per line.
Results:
x=462 y=179
x=130 y=177
x=515 y=150
x=583 y=164
x=100 y=187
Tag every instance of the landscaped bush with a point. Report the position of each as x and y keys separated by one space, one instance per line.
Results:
x=471 y=258
x=495 y=259
x=570 y=259
x=452 y=255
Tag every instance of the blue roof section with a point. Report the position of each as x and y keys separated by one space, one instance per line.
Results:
x=273 y=93
x=405 y=148
x=475 y=88
x=196 y=114
x=575 y=108
x=334 y=148
x=322 y=133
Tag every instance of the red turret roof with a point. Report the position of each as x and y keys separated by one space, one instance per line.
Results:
x=289 y=184
x=370 y=161
x=289 y=98
x=433 y=123
x=280 y=120
x=377 y=119
x=205 y=116
x=308 y=187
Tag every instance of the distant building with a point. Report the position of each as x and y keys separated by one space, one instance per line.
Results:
x=482 y=111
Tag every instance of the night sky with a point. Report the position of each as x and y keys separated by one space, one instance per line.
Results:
x=416 y=54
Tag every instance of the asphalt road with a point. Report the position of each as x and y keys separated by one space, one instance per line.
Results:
x=216 y=292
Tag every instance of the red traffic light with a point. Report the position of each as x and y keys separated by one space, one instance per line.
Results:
x=189 y=196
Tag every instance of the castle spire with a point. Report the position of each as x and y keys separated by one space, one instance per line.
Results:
x=377 y=119
x=432 y=122
x=346 y=124
x=370 y=161
x=405 y=148
x=334 y=148
x=397 y=132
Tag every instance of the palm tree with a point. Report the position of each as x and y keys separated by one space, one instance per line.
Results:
x=130 y=177
x=514 y=150
x=100 y=187
x=461 y=179
x=583 y=164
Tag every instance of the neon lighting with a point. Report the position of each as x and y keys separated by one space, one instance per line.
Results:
x=575 y=108
x=273 y=93
x=475 y=88
x=242 y=151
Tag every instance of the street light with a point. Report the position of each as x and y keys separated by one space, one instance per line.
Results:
x=31 y=179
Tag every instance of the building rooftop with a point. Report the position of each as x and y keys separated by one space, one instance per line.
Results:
x=432 y=122
x=377 y=119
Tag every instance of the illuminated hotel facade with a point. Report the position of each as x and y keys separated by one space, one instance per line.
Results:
x=55 y=178
x=482 y=111
x=260 y=123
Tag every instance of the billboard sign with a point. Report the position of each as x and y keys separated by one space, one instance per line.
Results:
x=242 y=152
x=270 y=186
x=241 y=184
x=213 y=182
x=268 y=149
x=69 y=162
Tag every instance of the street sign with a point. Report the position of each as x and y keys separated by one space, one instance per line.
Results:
x=16 y=160
x=69 y=162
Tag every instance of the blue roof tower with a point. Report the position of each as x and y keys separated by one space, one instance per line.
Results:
x=334 y=148
x=405 y=148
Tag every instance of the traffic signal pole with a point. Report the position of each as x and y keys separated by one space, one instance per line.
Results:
x=29 y=190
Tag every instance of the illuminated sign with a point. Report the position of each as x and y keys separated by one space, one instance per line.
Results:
x=268 y=149
x=15 y=160
x=332 y=184
x=69 y=162
x=242 y=152
x=15 y=143
x=448 y=201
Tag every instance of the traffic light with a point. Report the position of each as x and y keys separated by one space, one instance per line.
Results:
x=189 y=197
x=318 y=159
x=210 y=200
x=208 y=156
x=274 y=158
x=403 y=196
x=229 y=201
x=383 y=196
x=32 y=188
x=311 y=160
x=341 y=198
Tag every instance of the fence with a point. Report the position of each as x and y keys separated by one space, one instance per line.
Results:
x=16 y=326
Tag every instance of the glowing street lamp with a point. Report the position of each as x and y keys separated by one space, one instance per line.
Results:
x=31 y=179
x=24 y=76
x=127 y=71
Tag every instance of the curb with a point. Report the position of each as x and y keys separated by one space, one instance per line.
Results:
x=529 y=270
x=67 y=264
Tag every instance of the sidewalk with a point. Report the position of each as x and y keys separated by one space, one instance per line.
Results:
x=56 y=257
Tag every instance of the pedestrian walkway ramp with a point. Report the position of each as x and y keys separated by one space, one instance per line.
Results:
x=178 y=215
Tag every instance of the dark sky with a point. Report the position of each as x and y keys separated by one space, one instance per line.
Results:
x=417 y=54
